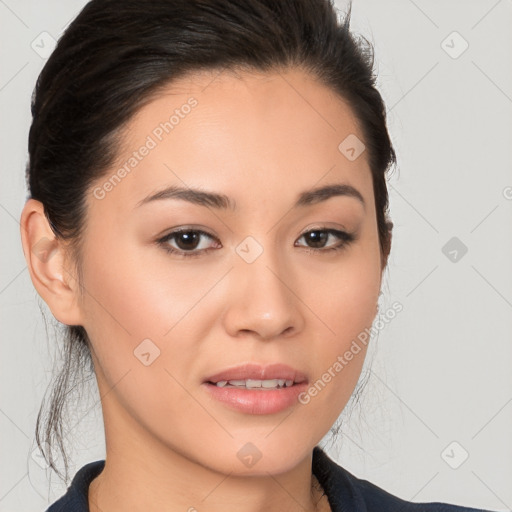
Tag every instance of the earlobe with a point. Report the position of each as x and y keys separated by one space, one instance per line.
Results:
x=46 y=257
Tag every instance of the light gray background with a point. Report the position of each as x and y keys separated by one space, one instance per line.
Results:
x=440 y=371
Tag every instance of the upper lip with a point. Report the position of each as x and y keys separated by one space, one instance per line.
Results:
x=258 y=372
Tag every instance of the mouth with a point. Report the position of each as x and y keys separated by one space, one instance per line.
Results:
x=252 y=388
x=257 y=377
x=254 y=384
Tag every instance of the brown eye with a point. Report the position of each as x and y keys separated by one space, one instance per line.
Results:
x=187 y=242
x=316 y=239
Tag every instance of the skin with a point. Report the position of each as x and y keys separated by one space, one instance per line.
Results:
x=261 y=139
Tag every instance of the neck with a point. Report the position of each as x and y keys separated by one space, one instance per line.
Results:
x=137 y=485
x=152 y=476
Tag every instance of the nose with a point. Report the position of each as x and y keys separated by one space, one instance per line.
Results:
x=263 y=300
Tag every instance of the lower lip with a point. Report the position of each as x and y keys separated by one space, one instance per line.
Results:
x=258 y=401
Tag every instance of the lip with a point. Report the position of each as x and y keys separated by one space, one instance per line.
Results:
x=262 y=400
x=259 y=372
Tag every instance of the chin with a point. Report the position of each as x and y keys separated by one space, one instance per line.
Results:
x=258 y=458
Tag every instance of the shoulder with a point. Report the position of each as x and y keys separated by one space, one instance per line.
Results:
x=76 y=497
x=349 y=493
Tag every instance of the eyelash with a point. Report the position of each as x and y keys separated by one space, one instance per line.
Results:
x=345 y=238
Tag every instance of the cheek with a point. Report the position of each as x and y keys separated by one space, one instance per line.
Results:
x=139 y=322
x=343 y=296
x=137 y=296
x=142 y=311
x=344 y=305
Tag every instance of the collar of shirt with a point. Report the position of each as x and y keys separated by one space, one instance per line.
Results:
x=345 y=492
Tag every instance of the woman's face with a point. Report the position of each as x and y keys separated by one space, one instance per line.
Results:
x=255 y=280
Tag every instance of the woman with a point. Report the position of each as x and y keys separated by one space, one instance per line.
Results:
x=209 y=217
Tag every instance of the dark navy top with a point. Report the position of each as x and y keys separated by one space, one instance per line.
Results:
x=345 y=492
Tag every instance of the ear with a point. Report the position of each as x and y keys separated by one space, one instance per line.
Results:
x=46 y=258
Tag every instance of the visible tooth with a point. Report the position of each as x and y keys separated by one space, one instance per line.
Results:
x=256 y=383
x=237 y=382
x=270 y=383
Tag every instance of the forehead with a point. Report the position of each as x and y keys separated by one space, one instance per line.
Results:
x=251 y=135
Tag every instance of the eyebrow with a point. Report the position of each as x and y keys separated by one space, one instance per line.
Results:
x=221 y=201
